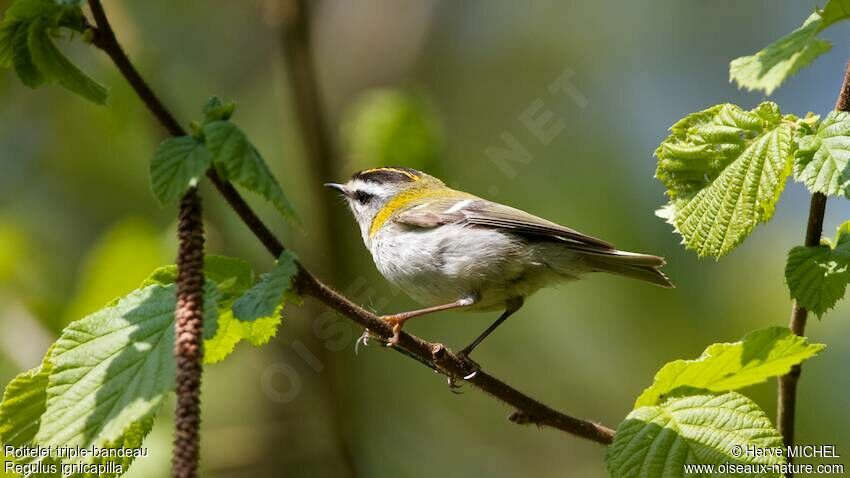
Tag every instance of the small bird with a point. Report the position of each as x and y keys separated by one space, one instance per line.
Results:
x=448 y=249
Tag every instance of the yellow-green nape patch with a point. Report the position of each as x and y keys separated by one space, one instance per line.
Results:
x=410 y=198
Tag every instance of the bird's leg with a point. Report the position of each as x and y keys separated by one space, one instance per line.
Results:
x=398 y=320
x=511 y=306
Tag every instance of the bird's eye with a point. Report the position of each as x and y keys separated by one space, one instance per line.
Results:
x=362 y=197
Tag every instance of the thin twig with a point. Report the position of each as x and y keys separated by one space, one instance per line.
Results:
x=787 y=396
x=434 y=355
x=188 y=326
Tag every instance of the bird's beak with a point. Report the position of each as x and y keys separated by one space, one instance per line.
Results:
x=339 y=187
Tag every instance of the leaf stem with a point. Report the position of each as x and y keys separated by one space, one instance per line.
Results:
x=436 y=356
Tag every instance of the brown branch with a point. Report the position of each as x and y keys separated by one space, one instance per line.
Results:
x=435 y=356
x=188 y=325
x=787 y=396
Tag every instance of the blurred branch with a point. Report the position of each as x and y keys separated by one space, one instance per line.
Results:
x=436 y=356
x=298 y=55
x=294 y=21
x=787 y=396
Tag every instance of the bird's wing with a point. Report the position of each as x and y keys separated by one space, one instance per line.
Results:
x=480 y=212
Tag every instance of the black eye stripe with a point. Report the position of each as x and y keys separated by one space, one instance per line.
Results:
x=363 y=197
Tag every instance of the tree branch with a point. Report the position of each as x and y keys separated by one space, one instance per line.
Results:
x=787 y=396
x=436 y=356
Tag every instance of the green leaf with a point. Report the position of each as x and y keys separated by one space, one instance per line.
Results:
x=113 y=368
x=264 y=298
x=704 y=428
x=232 y=331
x=233 y=276
x=762 y=354
x=110 y=369
x=237 y=160
x=724 y=169
x=213 y=296
x=823 y=159
x=22 y=57
x=818 y=276
x=216 y=110
x=780 y=60
x=177 y=165
x=29 y=10
x=24 y=403
x=56 y=67
x=131 y=438
x=8 y=30
x=163 y=275
x=256 y=314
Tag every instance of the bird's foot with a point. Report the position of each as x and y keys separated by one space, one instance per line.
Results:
x=396 y=322
x=472 y=367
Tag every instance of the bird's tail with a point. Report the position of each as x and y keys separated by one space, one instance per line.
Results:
x=643 y=267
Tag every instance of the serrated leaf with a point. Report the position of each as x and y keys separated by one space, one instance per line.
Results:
x=56 y=67
x=770 y=67
x=130 y=439
x=724 y=169
x=265 y=297
x=822 y=161
x=237 y=160
x=258 y=332
x=113 y=368
x=219 y=346
x=24 y=403
x=232 y=331
x=163 y=275
x=818 y=276
x=177 y=165
x=703 y=428
x=760 y=355
x=258 y=308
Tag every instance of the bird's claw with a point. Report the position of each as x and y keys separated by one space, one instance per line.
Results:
x=395 y=322
x=471 y=370
x=471 y=365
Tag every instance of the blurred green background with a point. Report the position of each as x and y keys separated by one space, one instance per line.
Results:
x=441 y=86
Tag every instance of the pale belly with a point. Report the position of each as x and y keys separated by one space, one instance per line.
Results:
x=444 y=264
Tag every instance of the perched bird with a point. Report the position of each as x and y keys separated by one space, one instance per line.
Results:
x=448 y=249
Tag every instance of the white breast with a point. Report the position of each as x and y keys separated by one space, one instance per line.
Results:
x=443 y=264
